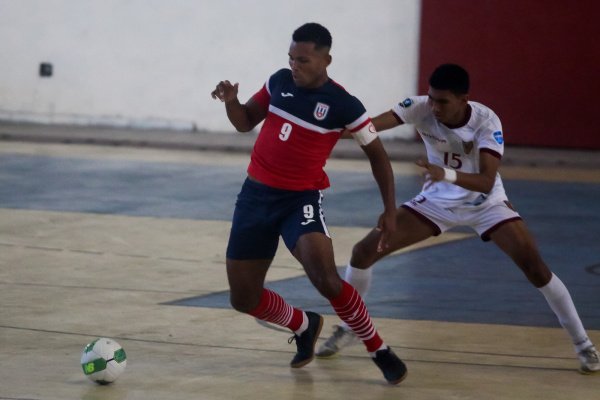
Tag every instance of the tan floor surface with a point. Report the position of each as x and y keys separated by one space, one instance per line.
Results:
x=66 y=278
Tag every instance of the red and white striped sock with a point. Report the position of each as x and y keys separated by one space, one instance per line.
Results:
x=351 y=309
x=273 y=308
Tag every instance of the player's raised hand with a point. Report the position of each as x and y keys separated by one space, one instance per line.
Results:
x=432 y=173
x=225 y=91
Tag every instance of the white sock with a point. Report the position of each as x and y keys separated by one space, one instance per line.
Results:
x=560 y=302
x=360 y=279
x=382 y=347
x=304 y=325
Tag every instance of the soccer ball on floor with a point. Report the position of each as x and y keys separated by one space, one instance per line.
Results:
x=103 y=360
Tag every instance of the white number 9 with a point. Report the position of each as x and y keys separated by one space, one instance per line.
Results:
x=308 y=211
x=286 y=131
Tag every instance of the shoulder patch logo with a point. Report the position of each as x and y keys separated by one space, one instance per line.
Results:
x=406 y=103
x=498 y=137
x=321 y=111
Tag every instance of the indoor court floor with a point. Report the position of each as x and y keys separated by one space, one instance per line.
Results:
x=128 y=243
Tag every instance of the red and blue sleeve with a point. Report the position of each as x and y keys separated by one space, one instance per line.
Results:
x=262 y=97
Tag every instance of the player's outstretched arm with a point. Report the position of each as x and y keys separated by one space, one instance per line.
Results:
x=384 y=176
x=244 y=117
x=382 y=122
x=386 y=120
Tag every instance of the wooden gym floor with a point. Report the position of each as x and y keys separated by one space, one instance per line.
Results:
x=129 y=243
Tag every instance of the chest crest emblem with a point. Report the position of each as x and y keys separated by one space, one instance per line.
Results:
x=467 y=147
x=321 y=111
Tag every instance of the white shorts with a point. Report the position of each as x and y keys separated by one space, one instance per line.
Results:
x=483 y=218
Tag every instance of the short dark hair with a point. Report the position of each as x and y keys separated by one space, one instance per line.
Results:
x=314 y=33
x=450 y=77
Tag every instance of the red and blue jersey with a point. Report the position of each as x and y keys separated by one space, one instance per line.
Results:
x=299 y=132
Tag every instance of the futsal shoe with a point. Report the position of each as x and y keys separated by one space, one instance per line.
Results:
x=305 y=342
x=590 y=360
x=342 y=337
x=394 y=370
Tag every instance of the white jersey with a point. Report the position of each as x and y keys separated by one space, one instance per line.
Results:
x=456 y=148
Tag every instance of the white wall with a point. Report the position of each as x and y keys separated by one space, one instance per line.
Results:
x=153 y=63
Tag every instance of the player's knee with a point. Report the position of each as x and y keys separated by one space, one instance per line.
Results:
x=238 y=305
x=242 y=303
x=329 y=286
x=362 y=255
x=540 y=275
x=536 y=271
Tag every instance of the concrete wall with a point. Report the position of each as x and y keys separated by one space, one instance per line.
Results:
x=153 y=63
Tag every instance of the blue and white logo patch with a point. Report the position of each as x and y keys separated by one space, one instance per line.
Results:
x=406 y=103
x=321 y=111
x=498 y=137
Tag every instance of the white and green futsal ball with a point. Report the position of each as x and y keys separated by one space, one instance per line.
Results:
x=103 y=360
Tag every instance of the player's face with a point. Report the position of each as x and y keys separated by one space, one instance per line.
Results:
x=308 y=65
x=447 y=107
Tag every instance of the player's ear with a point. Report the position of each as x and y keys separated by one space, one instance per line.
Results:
x=328 y=59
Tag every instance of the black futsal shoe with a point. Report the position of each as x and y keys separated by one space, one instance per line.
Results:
x=394 y=370
x=305 y=342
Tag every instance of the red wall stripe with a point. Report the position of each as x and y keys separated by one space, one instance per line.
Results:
x=536 y=63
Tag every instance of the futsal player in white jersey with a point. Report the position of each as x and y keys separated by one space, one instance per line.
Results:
x=464 y=148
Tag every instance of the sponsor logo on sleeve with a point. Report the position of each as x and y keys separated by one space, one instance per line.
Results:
x=498 y=137
x=406 y=103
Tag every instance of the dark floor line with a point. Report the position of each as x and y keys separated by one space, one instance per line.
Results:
x=122 y=338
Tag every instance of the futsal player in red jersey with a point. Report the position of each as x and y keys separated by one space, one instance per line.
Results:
x=304 y=113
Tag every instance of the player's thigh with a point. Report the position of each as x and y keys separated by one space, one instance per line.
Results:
x=412 y=227
x=254 y=233
x=314 y=251
x=516 y=241
x=303 y=215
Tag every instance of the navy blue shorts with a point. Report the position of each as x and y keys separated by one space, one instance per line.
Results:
x=263 y=213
